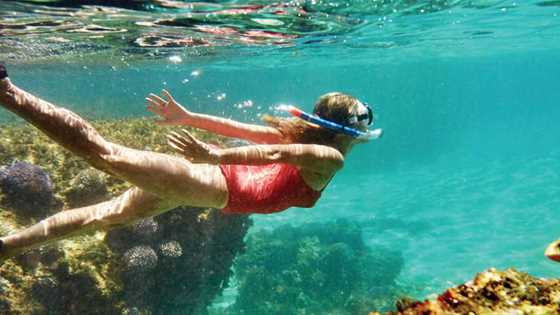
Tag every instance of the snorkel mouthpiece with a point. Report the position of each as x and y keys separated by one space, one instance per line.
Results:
x=372 y=134
x=362 y=135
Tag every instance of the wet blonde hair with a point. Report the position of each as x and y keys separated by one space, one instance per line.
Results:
x=336 y=107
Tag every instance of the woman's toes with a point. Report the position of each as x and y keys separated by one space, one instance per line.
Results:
x=3 y=71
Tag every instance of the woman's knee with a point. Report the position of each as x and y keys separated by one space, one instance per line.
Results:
x=133 y=205
x=110 y=158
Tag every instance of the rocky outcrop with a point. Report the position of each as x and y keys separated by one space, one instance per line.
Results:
x=491 y=292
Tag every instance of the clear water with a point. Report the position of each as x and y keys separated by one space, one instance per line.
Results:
x=467 y=176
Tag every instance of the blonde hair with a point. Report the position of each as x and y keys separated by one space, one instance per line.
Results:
x=335 y=106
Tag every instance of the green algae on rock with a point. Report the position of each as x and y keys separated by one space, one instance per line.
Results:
x=320 y=268
x=491 y=292
x=87 y=274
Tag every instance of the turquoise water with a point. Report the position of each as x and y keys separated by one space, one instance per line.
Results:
x=467 y=175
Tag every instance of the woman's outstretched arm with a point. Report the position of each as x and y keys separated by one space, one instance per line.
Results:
x=175 y=114
x=313 y=157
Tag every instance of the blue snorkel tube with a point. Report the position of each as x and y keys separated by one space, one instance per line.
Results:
x=358 y=134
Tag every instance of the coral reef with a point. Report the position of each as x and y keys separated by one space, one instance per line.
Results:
x=140 y=259
x=314 y=269
x=88 y=187
x=171 y=249
x=27 y=190
x=175 y=263
x=149 y=262
x=491 y=292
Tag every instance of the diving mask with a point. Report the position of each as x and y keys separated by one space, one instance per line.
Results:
x=361 y=118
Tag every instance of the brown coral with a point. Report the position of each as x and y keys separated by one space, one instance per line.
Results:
x=492 y=292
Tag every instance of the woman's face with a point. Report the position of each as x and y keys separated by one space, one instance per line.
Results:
x=363 y=116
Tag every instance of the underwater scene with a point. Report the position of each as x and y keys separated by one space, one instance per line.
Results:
x=449 y=212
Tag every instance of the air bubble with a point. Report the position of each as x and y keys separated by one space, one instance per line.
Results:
x=175 y=59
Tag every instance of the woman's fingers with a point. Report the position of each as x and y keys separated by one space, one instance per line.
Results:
x=157 y=99
x=154 y=109
x=167 y=95
x=174 y=146
x=179 y=148
x=176 y=143
x=191 y=138
x=187 y=145
x=179 y=140
x=151 y=103
x=183 y=138
x=185 y=150
x=187 y=134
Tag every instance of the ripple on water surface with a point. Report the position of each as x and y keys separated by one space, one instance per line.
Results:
x=294 y=30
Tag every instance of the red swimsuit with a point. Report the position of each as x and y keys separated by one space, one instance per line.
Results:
x=266 y=188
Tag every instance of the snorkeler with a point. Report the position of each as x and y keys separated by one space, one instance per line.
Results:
x=291 y=163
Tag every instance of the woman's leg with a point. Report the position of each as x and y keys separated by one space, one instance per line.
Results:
x=163 y=181
x=131 y=206
x=63 y=126
x=165 y=175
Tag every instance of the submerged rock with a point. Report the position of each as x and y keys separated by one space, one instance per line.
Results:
x=27 y=190
x=491 y=292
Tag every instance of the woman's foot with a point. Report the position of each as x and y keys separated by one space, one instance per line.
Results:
x=5 y=85
x=4 y=80
x=1 y=252
x=3 y=71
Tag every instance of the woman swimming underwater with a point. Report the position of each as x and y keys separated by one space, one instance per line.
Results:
x=291 y=163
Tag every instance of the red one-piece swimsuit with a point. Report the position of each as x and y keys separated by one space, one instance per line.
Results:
x=266 y=188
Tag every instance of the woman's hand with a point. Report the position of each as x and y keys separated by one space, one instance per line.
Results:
x=171 y=111
x=193 y=149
